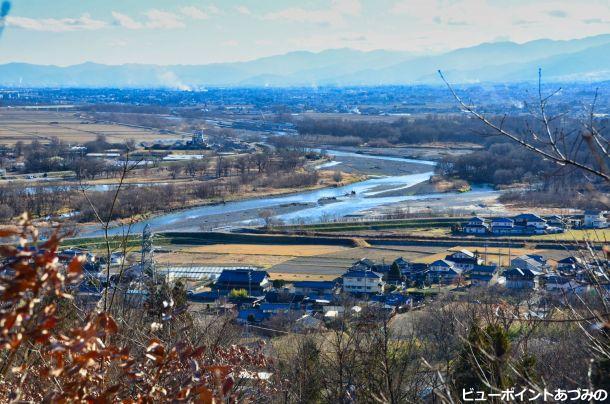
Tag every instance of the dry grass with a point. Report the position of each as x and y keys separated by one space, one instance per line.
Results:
x=211 y=259
x=268 y=249
x=300 y=277
x=596 y=235
x=27 y=126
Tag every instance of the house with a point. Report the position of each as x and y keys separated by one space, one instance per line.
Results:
x=483 y=275
x=402 y=263
x=521 y=278
x=68 y=254
x=255 y=282
x=556 y=283
x=556 y=221
x=307 y=323
x=316 y=288
x=530 y=261
x=365 y=282
x=464 y=259
x=595 y=219
x=476 y=225
x=502 y=225
x=530 y=219
x=570 y=264
x=363 y=264
x=444 y=271
x=417 y=272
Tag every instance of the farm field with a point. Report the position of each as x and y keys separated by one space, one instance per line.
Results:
x=29 y=125
x=269 y=249
x=305 y=261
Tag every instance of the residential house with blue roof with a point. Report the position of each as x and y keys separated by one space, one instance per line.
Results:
x=444 y=271
x=464 y=259
x=502 y=225
x=476 y=225
x=255 y=282
x=483 y=275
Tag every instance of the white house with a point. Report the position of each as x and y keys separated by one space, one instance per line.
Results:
x=483 y=275
x=530 y=261
x=477 y=225
x=444 y=271
x=363 y=282
x=530 y=219
x=595 y=219
x=502 y=225
x=464 y=259
x=517 y=278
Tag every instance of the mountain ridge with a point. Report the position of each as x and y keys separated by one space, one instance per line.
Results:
x=505 y=61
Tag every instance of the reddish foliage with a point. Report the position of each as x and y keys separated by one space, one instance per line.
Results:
x=41 y=363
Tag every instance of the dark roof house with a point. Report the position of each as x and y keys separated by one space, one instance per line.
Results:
x=254 y=281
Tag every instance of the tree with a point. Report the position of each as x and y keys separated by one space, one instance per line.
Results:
x=485 y=362
x=394 y=275
x=238 y=293
x=175 y=170
x=52 y=356
x=587 y=150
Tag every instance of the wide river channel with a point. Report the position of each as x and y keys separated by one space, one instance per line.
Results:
x=303 y=207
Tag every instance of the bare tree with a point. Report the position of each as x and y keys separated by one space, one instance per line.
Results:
x=551 y=141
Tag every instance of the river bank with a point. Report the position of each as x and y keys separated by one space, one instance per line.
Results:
x=309 y=206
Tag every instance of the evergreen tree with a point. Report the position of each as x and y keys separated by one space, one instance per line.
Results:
x=483 y=360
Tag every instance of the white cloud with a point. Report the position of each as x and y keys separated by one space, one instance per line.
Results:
x=194 y=12
x=163 y=19
x=231 y=42
x=333 y=15
x=455 y=23
x=83 y=23
x=126 y=21
x=243 y=10
x=155 y=19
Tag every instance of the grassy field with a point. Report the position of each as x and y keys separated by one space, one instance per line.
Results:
x=433 y=224
x=29 y=125
x=598 y=235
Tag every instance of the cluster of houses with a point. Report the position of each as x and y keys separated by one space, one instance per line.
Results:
x=531 y=224
x=383 y=284
x=386 y=286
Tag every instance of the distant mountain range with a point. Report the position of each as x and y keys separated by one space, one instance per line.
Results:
x=586 y=59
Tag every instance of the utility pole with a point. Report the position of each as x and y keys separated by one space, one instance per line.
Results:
x=249 y=282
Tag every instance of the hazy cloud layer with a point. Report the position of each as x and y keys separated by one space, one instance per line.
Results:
x=214 y=31
x=82 y=23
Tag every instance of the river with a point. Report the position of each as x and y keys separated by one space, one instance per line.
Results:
x=304 y=206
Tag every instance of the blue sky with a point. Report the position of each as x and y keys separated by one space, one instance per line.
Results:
x=67 y=32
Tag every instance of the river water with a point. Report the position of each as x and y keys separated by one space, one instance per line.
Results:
x=316 y=205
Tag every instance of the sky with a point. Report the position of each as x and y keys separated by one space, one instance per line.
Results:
x=66 y=32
